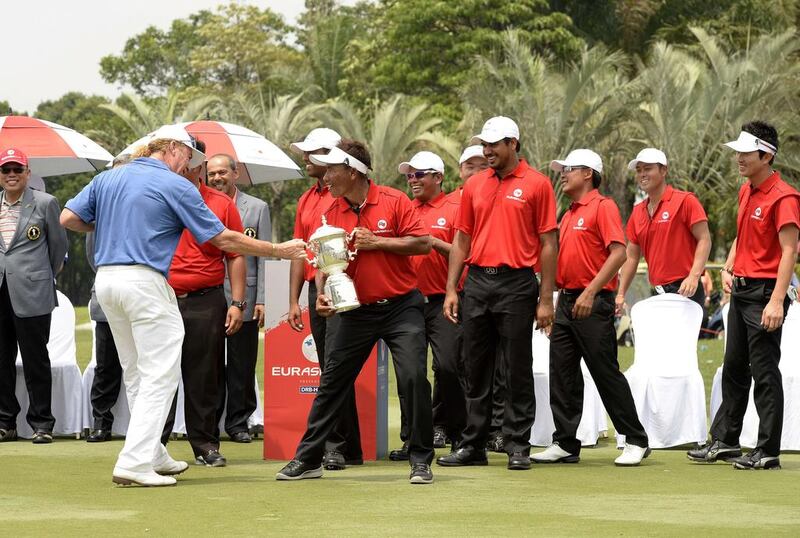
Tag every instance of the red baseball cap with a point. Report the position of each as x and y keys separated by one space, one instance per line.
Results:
x=13 y=155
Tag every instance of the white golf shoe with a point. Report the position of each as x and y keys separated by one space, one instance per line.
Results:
x=554 y=454
x=632 y=455
x=124 y=477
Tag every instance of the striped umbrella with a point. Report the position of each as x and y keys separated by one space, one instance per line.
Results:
x=52 y=149
x=261 y=161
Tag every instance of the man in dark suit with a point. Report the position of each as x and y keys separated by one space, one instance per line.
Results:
x=242 y=346
x=32 y=249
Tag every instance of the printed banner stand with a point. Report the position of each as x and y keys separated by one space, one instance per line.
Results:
x=291 y=377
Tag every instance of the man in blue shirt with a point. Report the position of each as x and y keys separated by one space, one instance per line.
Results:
x=138 y=213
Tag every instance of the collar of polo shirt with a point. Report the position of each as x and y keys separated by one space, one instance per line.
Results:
x=338 y=156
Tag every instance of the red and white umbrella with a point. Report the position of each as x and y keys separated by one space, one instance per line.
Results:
x=261 y=160
x=52 y=149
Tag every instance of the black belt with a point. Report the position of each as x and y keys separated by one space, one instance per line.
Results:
x=494 y=270
x=574 y=292
x=390 y=300
x=432 y=298
x=199 y=293
x=745 y=281
x=671 y=287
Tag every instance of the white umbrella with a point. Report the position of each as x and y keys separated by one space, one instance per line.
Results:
x=261 y=160
x=52 y=149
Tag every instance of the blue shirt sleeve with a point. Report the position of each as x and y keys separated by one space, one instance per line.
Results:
x=194 y=214
x=83 y=204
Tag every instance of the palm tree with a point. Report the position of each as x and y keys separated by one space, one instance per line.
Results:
x=144 y=117
x=691 y=105
x=281 y=120
x=395 y=130
x=584 y=106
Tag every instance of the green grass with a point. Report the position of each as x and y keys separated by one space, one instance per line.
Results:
x=65 y=489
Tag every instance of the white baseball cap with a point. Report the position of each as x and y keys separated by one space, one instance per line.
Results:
x=579 y=157
x=320 y=138
x=338 y=156
x=495 y=129
x=424 y=160
x=648 y=156
x=470 y=152
x=748 y=142
x=173 y=132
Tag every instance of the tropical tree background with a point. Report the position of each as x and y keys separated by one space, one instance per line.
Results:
x=405 y=75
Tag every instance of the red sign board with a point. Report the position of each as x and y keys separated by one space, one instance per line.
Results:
x=291 y=380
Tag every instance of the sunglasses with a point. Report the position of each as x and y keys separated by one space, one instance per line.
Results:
x=568 y=169
x=8 y=169
x=419 y=174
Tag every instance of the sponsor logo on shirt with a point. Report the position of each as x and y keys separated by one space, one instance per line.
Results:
x=382 y=227
x=441 y=224
x=664 y=217
x=516 y=195
x=757 y=214
x=579 y=225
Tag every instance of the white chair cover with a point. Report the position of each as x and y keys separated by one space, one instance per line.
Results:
x=66 y=390
x=790 y=372
x=594 y=422
x=665 y=381
x=122 y=412
x=716 y=383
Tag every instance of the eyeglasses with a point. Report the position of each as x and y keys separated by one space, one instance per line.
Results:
x=568 y=169
x=419 y=174
x=8 y=169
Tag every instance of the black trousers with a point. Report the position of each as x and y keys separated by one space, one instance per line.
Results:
x=346 y=435
x=497 y=314
x=238 y=382
x=498 y=396
x=751 y=352
x=107 y=377
x=400 y=323
x=444 y=338
x=31 y=335
x=594 y=339
x=202 y=365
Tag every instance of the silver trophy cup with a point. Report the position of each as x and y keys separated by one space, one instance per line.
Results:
x=331 y=256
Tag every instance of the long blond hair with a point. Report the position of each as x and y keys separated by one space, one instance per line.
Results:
x=154 y=146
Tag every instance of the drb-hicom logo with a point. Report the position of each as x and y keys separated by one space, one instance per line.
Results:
x=665 y=215
x=441 y=221
x=381 y=224
x=579 y=225
x=757 y=214
x=580 y=221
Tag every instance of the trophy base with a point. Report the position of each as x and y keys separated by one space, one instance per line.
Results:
x=342 y=292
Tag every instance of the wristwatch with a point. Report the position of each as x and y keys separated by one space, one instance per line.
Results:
x=239 y=304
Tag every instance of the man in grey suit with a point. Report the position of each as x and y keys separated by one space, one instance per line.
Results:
x=242 y=346
x=32 y=249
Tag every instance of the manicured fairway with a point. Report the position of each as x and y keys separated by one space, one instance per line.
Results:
x=65 y=489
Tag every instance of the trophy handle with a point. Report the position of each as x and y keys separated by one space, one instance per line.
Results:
x=351 y=254
x=312 y=262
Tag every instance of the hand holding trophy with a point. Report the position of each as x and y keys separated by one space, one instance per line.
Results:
x=332 y=256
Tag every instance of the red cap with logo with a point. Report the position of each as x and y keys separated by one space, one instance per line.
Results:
x=13 y=155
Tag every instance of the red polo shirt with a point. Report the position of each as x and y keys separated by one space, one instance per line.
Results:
x=387 y=213
x=194 y=266
x=438 y=217
x=310 y=207
x=666 y=238
x=505 y=216
x=763 y=211
x=587 y=230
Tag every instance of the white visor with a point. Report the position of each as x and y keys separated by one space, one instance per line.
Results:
x=747 y=143
x=337 y=156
